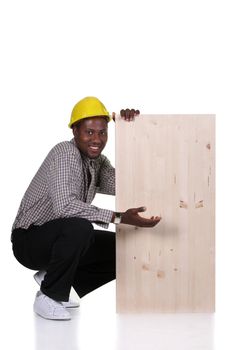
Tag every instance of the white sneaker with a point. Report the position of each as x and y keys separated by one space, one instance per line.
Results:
x=49 y=308
x=39 y=276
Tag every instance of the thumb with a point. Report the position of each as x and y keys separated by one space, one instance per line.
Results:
x=141 y=209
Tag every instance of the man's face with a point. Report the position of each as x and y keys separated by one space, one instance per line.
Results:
x=91 y=135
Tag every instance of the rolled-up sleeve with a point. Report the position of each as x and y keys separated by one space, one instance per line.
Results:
x=65 y=190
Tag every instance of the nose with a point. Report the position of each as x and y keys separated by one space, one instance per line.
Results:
x=96 y=139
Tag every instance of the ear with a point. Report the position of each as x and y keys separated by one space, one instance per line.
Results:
x=74 y=130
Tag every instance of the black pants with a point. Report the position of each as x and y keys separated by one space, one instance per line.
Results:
x=72 y=253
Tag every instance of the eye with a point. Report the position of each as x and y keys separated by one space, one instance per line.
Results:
x=89 y=132
x=103 y=133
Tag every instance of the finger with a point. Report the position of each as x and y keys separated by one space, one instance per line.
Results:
x=150 y=223
x=132 y=112
x=143 y=222
x=122 y=113
x=127 y=114
x=135 y=211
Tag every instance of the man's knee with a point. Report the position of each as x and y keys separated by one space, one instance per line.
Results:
x=78 y=228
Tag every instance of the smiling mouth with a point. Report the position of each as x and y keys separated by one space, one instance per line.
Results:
x=94 y=148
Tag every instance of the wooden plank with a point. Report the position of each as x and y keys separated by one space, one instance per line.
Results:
x=167 y=163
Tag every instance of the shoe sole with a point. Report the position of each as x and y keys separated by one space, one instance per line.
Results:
x=70 y=306
x=53 y=318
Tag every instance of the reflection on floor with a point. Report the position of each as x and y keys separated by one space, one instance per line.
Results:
x=95 y=325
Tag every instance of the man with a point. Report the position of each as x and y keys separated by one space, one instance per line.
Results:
x=53 y=229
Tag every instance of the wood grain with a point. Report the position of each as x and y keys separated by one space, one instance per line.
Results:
x=167 y=163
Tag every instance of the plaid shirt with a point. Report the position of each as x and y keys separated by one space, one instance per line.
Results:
x=64 y=186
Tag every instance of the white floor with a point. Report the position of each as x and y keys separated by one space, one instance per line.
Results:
x=95 y=325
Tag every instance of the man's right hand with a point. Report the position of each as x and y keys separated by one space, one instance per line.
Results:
x=131 y=217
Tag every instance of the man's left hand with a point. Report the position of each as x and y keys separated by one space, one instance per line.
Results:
x=127 y=114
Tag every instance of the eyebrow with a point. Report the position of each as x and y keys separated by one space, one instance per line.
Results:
x=90 y=129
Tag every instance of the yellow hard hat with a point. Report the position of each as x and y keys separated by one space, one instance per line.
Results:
x=88 y=107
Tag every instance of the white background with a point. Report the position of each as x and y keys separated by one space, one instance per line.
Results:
x=159 y=56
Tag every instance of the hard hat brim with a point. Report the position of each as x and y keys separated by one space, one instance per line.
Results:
x=90 y=116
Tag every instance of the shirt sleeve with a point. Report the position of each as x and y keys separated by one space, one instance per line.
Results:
x=106 y=178
x=65 y=188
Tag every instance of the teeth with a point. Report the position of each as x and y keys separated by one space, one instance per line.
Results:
x=95 y=148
